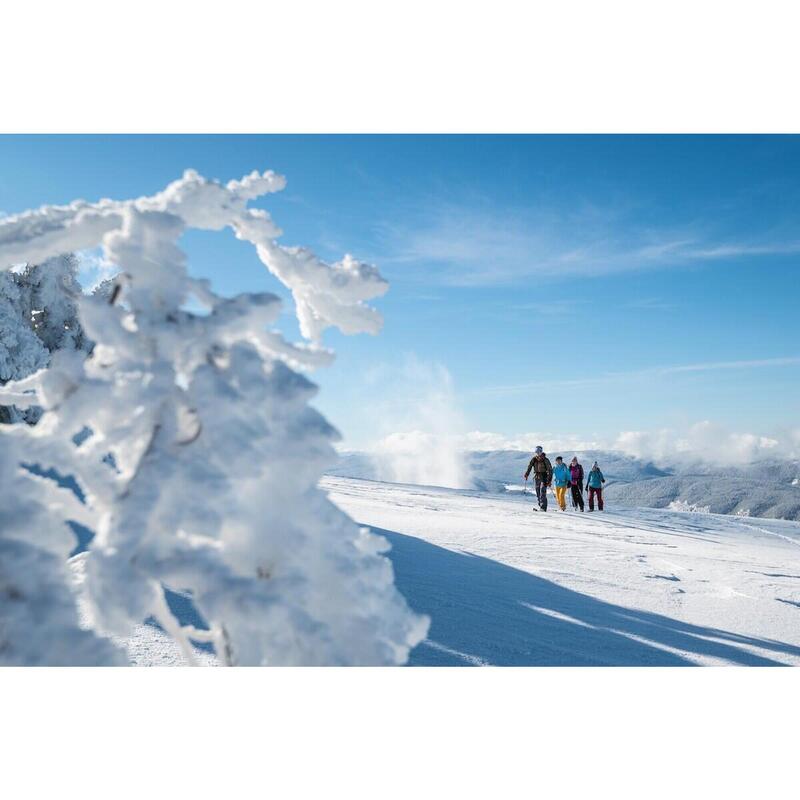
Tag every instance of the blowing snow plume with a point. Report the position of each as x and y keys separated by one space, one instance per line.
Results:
x=215 y=449
x=423 y=447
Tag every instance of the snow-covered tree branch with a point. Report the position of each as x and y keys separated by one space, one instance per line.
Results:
x=193 y=442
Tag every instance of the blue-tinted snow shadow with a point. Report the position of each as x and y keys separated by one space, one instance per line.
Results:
x=484 y=611
x=179 y=603
x=186 y=613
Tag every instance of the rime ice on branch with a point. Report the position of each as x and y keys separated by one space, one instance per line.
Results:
x=38 y=615
x=202 y=456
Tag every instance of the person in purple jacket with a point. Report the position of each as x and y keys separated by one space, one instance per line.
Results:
x=576 y=482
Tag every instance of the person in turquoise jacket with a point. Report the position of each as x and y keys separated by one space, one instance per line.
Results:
x=594 y=485
x=561 y=479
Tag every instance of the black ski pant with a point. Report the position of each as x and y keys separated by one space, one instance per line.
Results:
x=541 y=492
x=577 y=495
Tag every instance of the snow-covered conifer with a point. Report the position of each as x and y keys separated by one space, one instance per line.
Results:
x=39 y=622
x=51 y=292
x=203 y=455
x=21 y=350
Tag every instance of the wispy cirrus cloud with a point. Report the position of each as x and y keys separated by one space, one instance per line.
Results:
x=549 y=308
x=651 y=304
x=648 y=372
x=788 y=361
x=478 y=246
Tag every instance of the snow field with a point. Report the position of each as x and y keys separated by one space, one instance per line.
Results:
x=504 y=585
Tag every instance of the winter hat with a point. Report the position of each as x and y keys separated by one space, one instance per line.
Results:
x=594 y=466
x=574 y=460
x=539 y=450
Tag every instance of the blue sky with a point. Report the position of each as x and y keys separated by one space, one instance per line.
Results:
x=570 y=284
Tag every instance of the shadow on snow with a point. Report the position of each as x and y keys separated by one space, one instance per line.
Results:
x=484 y=612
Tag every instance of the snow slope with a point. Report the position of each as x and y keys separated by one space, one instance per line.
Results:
x=506 y=586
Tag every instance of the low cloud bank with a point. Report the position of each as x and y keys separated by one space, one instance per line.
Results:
x=423 y=456
x=420 y=435
x=708 y=442
x=551 y=442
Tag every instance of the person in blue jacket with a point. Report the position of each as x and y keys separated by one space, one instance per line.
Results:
x=561 y=478
x=594 y=485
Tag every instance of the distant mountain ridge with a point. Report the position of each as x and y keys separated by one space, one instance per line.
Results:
x=766 y=488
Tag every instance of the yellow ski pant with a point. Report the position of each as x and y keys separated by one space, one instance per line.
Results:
x=561 y=496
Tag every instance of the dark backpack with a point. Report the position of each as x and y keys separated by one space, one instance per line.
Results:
x=541 y=466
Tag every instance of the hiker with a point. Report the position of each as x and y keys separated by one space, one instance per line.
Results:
x=561 y=478
x=594 y=485
x=576 y=481
x=542 y=474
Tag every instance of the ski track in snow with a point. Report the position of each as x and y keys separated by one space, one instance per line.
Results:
x=505 y=586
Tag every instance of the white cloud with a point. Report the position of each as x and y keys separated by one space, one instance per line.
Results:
x=707 y=442
x=649 y=372
x=651 y=304
x=702 y=441
x=711 y=366
x=549 y=308
x=414 y=453
x=475 y=247
x=551 y=442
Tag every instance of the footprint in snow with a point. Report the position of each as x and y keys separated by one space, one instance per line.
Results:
x=664 y=577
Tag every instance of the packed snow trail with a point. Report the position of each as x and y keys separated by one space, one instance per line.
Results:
x=505 y=586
